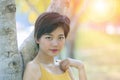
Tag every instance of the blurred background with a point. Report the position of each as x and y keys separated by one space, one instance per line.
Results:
x=94 y=36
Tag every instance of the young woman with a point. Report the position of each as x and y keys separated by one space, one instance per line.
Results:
x=51 y=30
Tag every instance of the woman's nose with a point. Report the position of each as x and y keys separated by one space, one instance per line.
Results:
x=55 y=42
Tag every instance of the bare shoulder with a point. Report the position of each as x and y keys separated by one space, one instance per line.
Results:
x=32 y=71
x=33 y=66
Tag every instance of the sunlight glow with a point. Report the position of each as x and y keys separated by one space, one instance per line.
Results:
x=101 y=10
x=100 y=6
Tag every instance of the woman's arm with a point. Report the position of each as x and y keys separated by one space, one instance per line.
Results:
x=65 y=64
x=82 y=74
x=70 y=73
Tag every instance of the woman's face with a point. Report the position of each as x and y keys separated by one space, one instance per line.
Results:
x=52 y=43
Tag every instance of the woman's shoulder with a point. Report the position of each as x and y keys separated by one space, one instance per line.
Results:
x=32 y=65
x=32 y=71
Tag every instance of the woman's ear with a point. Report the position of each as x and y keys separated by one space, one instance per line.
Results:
x=37 y=41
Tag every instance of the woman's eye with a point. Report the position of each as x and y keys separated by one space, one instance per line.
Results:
x=49 y=38
x=60 y=38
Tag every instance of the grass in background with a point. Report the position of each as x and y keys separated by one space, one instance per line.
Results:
x=101 y=54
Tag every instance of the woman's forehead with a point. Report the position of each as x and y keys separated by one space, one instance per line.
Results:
x=57 y=31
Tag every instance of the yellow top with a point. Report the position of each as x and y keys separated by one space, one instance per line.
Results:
x=45 y=75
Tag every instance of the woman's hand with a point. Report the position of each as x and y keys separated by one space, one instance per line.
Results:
x=65 y=64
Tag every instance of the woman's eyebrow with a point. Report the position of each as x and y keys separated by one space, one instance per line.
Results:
x=61 y=34
x=48 y=34
x=52 y=34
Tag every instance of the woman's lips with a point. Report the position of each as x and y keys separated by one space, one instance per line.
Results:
x=54 y=50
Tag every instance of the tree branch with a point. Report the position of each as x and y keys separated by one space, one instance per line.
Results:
x=32 y=7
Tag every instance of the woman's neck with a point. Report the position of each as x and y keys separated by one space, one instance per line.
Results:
x=44 y=58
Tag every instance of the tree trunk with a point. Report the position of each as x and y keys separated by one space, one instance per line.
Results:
x=10 y=60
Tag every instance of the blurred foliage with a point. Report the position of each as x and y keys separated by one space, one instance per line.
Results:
x=92 y=38
x=100 y=11
x=100 y=53
x=36 y=7
x=32 y=8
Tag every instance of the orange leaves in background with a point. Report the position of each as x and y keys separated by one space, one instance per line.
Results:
x=101 y=10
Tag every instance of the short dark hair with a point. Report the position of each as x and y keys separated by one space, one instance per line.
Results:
x=48 y=22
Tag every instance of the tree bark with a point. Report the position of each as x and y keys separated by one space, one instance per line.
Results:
x=10 y=60
x=60 y=6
